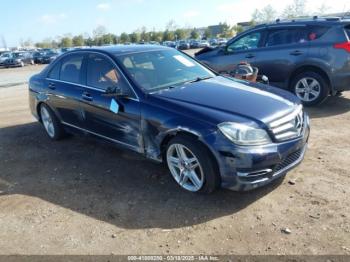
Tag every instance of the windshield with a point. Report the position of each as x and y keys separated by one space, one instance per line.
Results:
x=155 y=70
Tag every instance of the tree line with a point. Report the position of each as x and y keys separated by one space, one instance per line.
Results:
x=100 y=36
x=172 y=32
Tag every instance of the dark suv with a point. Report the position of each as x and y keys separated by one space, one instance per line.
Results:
x=309 y=57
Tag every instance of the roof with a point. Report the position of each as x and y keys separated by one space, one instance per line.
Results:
x=126 y=49
x=307 y=20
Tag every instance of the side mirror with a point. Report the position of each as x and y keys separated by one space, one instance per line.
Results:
x=263 y=79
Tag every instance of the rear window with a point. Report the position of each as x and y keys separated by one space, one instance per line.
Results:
x=286 y=36
x=316 y=32
x=70 y=70
x=347 y=30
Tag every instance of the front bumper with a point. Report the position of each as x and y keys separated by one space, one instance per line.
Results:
x=247 y=168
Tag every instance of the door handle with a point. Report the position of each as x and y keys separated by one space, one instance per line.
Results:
x=52 y=85
x=296 y=53
x=250 y=56
x=86 y=96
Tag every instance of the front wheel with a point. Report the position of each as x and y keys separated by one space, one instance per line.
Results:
x=191 y=165
x=310 y=87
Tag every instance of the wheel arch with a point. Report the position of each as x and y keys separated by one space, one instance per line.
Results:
x=310 y=68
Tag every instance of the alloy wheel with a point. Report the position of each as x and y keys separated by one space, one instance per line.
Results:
x=185 y=167
x=47 y=121
x=308 y=89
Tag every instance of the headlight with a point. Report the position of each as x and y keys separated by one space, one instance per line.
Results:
x=18 y=60
x=241 y=134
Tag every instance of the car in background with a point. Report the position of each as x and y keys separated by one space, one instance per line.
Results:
x=19 y=59
x=194 y=44
x=4 y=56
x=169 y=44
x=211 y=131
x=154 y=43
x=203 y=44
x=213 y=42
x=309 y=57
x=222 y=41
x=37 y=56
x=47 y=57
x=183 y=45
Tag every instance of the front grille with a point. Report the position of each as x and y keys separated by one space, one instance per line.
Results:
x=289 y=160
x=288 y=127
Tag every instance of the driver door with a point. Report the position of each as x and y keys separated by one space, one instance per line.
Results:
x=242 y=49
x=110 y=117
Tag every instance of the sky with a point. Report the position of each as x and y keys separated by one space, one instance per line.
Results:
x=39 y=19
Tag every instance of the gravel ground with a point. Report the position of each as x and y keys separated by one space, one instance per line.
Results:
x=83 y=196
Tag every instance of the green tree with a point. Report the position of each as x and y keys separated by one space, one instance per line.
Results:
x=89 y=41
x=124 y=37
x=107 y=39
x=207 y=33
x=145 y=36
x=66 y=42
x=168 y=35
x=265 y=15
x=296 y=9
x=135 y=37
x=194 y=34
x=238 y=29
x=78 y=40
x=180 y=33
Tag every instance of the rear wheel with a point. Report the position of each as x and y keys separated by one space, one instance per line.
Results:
x=310 y=87
x=191 y=165
x=50 y=122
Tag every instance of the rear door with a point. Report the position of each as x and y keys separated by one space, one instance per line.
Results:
x=284 y=48
x=64 y=85
x=242 y=49
x=114 y=118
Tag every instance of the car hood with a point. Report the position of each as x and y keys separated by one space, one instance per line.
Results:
x=254 y=101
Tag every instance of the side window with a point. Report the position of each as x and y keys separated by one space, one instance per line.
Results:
x=101 y=73
x=55 y=72
x=286 y=36
x=315 y=32
x=70 y=70
x=250 y=41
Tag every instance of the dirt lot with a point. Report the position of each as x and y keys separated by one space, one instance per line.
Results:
x=82 y=196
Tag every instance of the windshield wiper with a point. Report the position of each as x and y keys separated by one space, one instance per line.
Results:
x=198 y=79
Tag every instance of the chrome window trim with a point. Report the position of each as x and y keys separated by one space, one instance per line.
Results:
x=135 y=148
x=88 y=87
x=136 y=98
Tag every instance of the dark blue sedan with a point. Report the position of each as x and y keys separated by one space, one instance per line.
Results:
x=211 y=130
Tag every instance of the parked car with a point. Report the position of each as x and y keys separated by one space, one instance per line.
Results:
x=19 y=59
x=203 y=43
x=213 y=42
x=194 y=44
x=4 y=57
x=210 y=130
x=183 y=45
x=38 y=56
x=222 y=41
x=169 y=44
x=308 y=57
x=47 y=57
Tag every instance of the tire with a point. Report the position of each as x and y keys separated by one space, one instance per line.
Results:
x=51 y=123
x=310 y=87
x=208 y=178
